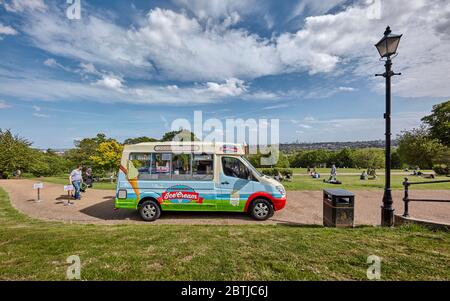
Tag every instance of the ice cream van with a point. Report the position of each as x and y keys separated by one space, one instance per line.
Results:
x=194 y=176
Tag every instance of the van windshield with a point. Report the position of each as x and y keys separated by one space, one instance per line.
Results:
x=251 y=166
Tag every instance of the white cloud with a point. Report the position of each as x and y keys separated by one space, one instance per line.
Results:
x=356 y=128
x=309 y=118
x=182 y=47
x=110 y=89
x=231 y=87
x=50 y=63
x=89 y=68
x=23 y=5
x=40 y=115
x=346 y=89
x=313 y=7
x=4 y=105
x=111 y=81
x=279 y=106
x=37 y=108
x=7 y=30
x=204 y=9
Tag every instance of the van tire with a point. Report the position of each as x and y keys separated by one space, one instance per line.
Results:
x=261 y=209
x=149 y=211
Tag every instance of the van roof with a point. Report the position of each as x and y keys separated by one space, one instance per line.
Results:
x=187 y=146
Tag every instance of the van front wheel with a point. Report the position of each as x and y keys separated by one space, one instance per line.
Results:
x=261 y=209
x=149 y=211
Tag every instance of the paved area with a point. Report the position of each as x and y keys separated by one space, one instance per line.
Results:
x=303 y=207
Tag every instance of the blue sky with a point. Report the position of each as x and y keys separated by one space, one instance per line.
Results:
x=129 y=68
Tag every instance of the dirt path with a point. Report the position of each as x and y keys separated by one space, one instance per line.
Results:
x=303 y=207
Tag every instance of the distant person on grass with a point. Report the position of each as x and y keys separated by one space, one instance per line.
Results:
x=75 y=179
x=333 y=173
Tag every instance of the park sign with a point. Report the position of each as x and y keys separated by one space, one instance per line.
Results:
x=38 y=185
x=68 y=187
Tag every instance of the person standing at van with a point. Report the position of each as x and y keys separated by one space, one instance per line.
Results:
x=75 y=179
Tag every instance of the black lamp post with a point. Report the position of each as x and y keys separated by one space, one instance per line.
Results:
x=387 y=47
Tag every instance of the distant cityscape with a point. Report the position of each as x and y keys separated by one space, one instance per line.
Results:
x=297 y=146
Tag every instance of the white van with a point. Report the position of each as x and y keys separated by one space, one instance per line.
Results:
x=194 y=176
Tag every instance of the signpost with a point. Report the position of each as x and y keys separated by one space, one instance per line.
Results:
x=38 y=187
x=68 y=188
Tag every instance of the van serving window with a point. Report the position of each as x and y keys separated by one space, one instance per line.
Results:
x=202 y=167
x=181 y=167
x=141 y=161
x=161 y=166
x=176 y=167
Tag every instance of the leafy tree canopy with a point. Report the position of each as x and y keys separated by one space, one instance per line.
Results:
x=180 y=135
x=139 y=140
x=438 y=122
x=417 y=148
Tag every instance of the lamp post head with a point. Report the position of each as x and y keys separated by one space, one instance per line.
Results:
x=388 y=44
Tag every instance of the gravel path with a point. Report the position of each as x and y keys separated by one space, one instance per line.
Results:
x=303 y=207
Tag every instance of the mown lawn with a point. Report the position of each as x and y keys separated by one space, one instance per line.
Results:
x=63 y=180
x=354 y=183
x=326 y=171
x=308 y=183
x=37 y=250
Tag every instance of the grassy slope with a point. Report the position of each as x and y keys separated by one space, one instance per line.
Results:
x=31 y=249
x=308 y=183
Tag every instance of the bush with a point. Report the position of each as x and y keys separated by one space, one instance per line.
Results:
x=271 y=172
x=441 y=170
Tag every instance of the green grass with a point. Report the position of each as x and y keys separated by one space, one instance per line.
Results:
x=354 y=183
x=326 y=171
x=37 y=250
x=308 y=183
x=63 y=180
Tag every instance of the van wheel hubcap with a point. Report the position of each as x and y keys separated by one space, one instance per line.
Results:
x=149 y=211
x=261 y=210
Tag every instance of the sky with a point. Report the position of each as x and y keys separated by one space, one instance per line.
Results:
x=130 y=68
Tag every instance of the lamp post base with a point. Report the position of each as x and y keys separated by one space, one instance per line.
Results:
x=387 y=212
x=387 y=217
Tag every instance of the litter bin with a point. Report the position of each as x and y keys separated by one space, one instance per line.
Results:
x=338 y=208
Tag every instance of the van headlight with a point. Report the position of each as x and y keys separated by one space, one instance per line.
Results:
x=281 y=190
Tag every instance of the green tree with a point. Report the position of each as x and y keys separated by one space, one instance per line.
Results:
x=15 y=152
x=343 y=158
x=396 y=161
x=181 y=135
x=417 y=148
x=108 y=155
x=39 y=165
x=139 y=140
x=85 y=149
x=438 y=123
x=282 y=162
x=368 y=158
x=313 y=158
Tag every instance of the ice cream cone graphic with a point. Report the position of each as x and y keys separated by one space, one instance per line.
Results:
x=132 y=176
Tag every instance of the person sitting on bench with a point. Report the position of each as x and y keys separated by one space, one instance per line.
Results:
x=372 y=173
x=363 y=175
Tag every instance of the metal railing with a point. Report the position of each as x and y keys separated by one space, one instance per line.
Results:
x=406 y=198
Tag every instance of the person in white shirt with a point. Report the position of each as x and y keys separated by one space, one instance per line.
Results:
x=75 y=179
